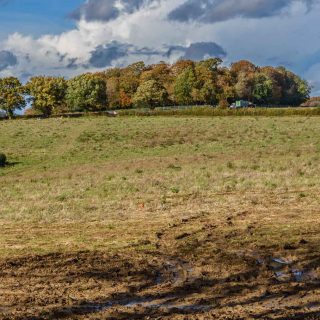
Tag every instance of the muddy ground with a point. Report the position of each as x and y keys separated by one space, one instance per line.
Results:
x=197 y=275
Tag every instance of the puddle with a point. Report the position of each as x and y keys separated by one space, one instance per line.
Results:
x=285 y=269
x=148 y=303
x=165 y=304
x=283 y=276
x=281 y=261
x=175 y=272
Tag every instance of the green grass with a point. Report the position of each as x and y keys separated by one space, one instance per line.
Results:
x=106 y=183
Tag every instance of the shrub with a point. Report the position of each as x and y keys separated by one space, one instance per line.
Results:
x=3 y=159
x=218 y=112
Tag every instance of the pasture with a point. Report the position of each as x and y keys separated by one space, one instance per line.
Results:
x=160 y=218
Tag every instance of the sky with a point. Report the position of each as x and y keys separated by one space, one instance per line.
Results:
x=69 y=37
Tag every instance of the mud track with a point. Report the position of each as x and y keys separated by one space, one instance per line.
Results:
x=193 y=274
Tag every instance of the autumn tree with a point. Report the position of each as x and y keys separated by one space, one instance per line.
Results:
x=245 y=85
x=11 y=95
x=277 y=82
x=226 y=86
x=206 y=73
x=295 y=89
x=243 y=66
x=150 y=94
x=47 y=94
x=113 y=92
x=129 y=83
x=244 y=73
x=159 y=72
x=86 y=92
x=112 y=80
x=180 y=66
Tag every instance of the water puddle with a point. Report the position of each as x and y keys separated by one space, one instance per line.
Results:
x=175 y=272
x=166 y=305
x=290 y=271
x=281 y=261
x=286 y=269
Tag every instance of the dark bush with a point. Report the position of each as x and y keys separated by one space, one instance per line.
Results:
x=3 y=159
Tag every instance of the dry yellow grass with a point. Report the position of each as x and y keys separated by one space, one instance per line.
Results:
x=110 y=184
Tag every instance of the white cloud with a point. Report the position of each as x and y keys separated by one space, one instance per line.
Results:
x=285 y=39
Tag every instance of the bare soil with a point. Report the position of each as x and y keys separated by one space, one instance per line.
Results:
x=182 y=279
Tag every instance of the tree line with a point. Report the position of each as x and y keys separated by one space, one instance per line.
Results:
x=185 y=82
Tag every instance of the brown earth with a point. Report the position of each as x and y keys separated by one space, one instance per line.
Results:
x=160 y=218
x=190 y=275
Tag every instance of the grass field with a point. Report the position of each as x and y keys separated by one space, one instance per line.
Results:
x=226 y=196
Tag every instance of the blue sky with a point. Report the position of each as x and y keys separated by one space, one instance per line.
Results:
x=68 y=37
x=36 y=17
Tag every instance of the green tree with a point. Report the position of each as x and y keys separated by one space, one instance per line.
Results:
x=303 y=89
x=150 y=94
x=11 y=95
x=262 y=90
x=86 y=92
x=184 y=85
x=47 y=94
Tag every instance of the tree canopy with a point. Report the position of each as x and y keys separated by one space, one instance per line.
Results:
x=86 y=92
x=150 y=94
x=11 y=95
x=185 y=82
x=47 y=94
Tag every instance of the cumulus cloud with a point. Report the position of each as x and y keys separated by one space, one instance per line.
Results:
x=141 y=30
x=106 y=10
x=7 y=59
x=104 y=55
x=211 y=11
x=198 y=51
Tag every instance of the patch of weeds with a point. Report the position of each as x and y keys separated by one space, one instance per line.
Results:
x=61 y=197
x=175 y=190
x=230 y=165
x=271 y=185
x=173 y=167
x=139 y=171
x=255 y=167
